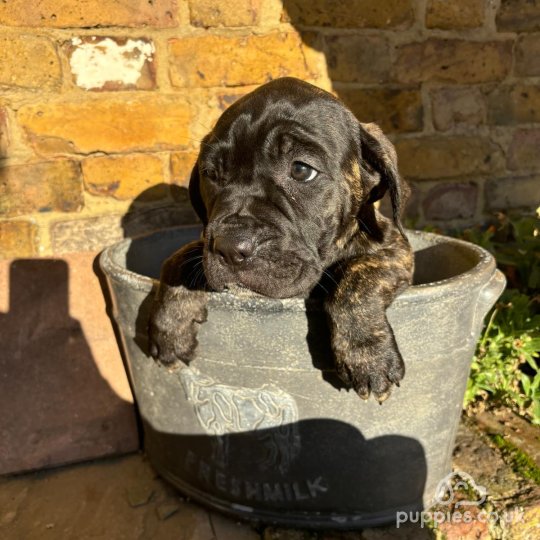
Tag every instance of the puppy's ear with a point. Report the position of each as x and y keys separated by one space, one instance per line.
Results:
x=379 y=160
x=195 y=194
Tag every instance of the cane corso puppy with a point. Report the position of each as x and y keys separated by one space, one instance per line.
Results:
x=285 y=185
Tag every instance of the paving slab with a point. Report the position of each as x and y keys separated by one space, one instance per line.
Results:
x=64 y=394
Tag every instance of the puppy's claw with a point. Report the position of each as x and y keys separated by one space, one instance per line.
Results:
x=372 y=374
x=362 y=394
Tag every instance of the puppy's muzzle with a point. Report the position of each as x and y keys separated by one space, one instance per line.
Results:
x=234 y=251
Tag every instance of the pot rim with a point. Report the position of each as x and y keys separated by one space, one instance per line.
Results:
x=463 y=283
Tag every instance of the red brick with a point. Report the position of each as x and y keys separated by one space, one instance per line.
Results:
x=395 y=110
x=28 y=62
x=473 y=529
x=452 y=60
x=445 y=157
x=455 y=14
x=40 y=187
x=528 y=56
x=197 y=61
x=454 y=107
x=107 y=124
x=450 y=201
x=524 y=153
x=63 y=378
x=111 y=63
x=519 y=15
x=349 y=14
x=207 y=13
x=17 y=239
x=514 y=104
x=69 y=14
x=125 y=177
x=363 y=59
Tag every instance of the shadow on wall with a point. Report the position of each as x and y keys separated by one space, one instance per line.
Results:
x=150 y=211
x=352 y=59
x=356 y=64
x=142 y=219
x=56 y=407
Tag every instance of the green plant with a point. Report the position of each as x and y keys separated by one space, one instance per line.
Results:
x=505 y=369
x=515 y=243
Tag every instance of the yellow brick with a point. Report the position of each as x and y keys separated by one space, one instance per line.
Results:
x=40 y=187
x=68 y=14
x=4 y=133
x=17 y=239
x=211 y=60
x=528 y=55
x=518 y=16
x=349 y=13
x=208 y=13
x=455 y=14
x=395 y=110
x=182 y=164
x=107 y=124
x=523 y=151
x=358 y=58
x=125 y=177
x=453 y=60
x=28 y=62
x=431 y=158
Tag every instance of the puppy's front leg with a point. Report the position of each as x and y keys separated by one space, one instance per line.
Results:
x=179 y=307
x=367 y=357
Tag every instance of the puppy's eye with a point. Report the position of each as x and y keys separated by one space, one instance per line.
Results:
x=302 y=172
x=211 y=174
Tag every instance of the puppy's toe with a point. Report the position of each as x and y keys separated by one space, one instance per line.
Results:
x=355 y=376
x=381 y=385
x=170 y=349
x=372 y=373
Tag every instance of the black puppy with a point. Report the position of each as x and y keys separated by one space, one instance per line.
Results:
x=285 y=185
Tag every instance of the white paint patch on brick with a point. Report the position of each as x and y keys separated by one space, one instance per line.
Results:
x=96 y=63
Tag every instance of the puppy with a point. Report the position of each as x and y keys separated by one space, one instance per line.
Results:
x=285 y=185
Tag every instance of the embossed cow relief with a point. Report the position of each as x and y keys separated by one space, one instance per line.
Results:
x=268 y=413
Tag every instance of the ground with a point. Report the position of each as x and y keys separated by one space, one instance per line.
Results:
x=122 y=498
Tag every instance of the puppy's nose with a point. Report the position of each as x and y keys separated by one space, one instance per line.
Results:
x=235 y=251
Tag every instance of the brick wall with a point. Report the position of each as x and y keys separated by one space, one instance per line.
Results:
x=102 y=103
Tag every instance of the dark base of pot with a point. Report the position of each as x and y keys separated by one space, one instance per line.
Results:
x=283 y=517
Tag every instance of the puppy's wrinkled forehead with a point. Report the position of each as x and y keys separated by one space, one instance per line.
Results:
x=282 y=116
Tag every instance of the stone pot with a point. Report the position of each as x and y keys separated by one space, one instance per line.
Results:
x=259 y=425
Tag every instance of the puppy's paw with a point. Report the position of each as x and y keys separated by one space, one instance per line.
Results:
x=172 y=344
x=372 y=371
x=173 y=326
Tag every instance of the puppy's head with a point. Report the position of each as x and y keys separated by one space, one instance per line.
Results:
x=281 y=185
